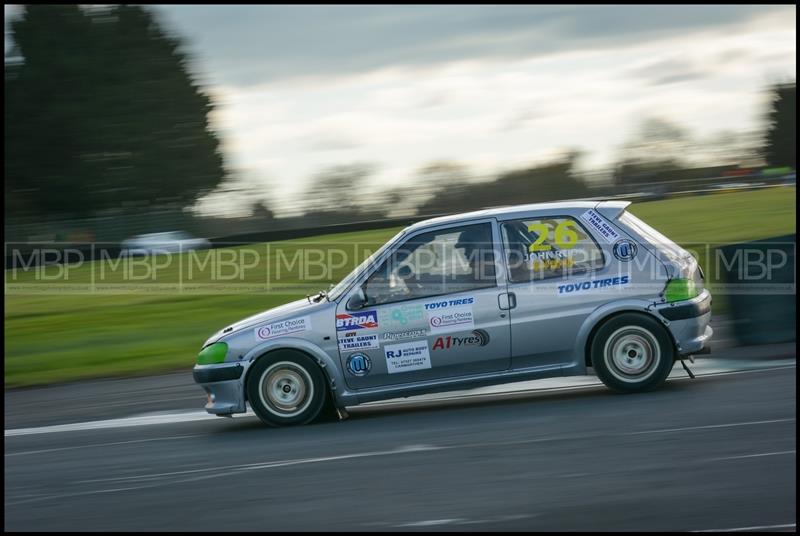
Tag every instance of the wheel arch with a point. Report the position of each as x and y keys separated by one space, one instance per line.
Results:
x=602 y=315
x=326 y=365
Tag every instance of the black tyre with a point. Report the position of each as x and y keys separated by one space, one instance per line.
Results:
x=632 y=352
x=286 y=387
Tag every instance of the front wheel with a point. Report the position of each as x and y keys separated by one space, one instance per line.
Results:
x=632 y=352
x=286 y=388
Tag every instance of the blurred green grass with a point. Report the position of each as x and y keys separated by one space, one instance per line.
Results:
x=66 y=336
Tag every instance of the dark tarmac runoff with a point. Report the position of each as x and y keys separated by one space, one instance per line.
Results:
x=714 y=453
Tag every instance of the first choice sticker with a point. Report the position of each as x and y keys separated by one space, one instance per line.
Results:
x=282 y=328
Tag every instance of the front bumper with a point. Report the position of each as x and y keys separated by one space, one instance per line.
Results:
x=224 y=386
x=688 y=321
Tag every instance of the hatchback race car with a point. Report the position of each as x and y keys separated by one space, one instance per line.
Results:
x=456 y=302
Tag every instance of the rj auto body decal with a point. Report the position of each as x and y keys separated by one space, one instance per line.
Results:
x=407 y=356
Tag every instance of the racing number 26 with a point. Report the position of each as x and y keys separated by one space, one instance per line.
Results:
x=565 y=237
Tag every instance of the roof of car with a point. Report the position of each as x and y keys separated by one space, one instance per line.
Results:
x=610 y=209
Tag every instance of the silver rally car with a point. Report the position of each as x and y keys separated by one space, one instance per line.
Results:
x=488 y=297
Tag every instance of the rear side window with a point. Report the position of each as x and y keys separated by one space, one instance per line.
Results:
x=650 y=235
x=547 y=248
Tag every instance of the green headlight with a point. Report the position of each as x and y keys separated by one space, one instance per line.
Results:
x=680 y=289
x=212 y=354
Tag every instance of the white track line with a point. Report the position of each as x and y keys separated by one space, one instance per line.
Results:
x=728 y=425
x=141 y=420
x=781 y=453
x=170 y=438
x=215 y=472
x=190 y=416
x=745 y=529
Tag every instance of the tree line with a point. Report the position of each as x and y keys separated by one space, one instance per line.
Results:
x=102 y=112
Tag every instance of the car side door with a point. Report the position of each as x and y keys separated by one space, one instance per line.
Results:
x=430 y=310
x=546 y=256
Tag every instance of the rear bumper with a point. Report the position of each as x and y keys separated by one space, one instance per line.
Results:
x=223 y=386
x=688 y=309
x=688 y=322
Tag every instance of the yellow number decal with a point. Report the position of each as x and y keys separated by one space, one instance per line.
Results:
x=542 y=231
x=566 y=238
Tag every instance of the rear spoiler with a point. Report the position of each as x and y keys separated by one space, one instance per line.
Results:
x=611 y=210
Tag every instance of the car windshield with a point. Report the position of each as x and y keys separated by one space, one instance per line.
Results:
x=348 y=280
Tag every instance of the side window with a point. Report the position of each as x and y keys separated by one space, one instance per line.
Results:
x=457 y=259
x=546 y=248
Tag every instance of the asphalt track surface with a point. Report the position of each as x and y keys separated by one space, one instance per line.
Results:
x=716 y=452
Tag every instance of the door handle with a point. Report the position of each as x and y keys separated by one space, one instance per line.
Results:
x=506 y=300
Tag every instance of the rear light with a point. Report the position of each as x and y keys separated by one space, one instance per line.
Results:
x=681 y=289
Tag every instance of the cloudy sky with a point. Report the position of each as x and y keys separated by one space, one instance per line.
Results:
x=303 y=88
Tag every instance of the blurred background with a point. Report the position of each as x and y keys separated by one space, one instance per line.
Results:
x=163 y=163
x=122 y=120
x=223 y=126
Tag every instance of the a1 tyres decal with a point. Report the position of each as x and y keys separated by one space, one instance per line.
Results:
x=477 y=338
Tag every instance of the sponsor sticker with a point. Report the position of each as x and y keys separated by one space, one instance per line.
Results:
x=358 y=364
x=625 y=249
x=443 y=304
x=401 y=335
x=360 y=320
x=477 y=338
x=401 y=317
x=583 y=286
x=550 y=260
x=357 y=342
x=601 y=226
x=407 y=357
x=450 y=315
x=284 y=327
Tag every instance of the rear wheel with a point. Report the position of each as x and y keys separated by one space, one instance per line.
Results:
x=632 y=352
x=286 y=388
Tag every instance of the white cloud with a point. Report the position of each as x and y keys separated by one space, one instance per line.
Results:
x=492 y=115
x=301 y=88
